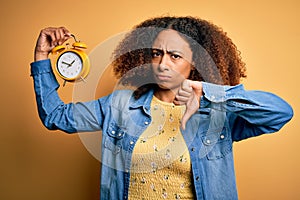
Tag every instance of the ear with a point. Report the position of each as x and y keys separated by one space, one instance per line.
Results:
x=193 y=65
x=192 y=72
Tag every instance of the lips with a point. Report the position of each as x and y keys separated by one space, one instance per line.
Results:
x=162 y=77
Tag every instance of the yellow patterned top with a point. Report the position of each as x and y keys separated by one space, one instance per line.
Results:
x=161 y=167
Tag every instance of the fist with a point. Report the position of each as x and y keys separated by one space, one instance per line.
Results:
x=189 y=94
x=48 y=39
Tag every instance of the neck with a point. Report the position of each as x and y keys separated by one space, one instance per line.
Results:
x=165 y=95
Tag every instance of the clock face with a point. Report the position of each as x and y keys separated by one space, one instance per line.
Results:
x=69 y=65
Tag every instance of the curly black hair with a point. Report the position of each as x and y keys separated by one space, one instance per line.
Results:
x=215 y=57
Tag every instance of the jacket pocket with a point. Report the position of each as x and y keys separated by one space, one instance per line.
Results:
x=217 y=144
x=114 y=137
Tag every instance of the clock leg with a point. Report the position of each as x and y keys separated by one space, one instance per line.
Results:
x=82 y=79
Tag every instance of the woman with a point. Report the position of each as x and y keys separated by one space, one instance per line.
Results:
x=170 y=137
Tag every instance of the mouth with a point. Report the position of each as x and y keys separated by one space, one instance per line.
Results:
x=161 y=77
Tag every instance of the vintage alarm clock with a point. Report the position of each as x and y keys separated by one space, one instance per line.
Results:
x=72 y=63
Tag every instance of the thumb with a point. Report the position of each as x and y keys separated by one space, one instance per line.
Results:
x=184 y=119
x=193 y=104
x=191 y=108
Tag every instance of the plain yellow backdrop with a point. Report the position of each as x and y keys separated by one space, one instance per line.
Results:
x=41 y=164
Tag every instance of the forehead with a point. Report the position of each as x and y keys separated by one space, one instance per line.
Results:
x=171 y=40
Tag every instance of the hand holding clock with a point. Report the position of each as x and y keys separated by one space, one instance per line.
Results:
x=48 y=39
x=71 y=64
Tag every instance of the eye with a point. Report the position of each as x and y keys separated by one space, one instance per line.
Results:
x=156 y=54
x=175 y=56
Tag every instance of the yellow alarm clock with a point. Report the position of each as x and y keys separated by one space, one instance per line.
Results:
x=72 y=64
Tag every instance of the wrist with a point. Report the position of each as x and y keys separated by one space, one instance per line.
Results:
x=41 y=52
x=40 y=56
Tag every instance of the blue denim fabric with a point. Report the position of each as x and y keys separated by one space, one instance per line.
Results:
x=226 y=114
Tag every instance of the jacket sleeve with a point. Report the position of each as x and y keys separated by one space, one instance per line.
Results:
x=53 y=112
x=251 y=113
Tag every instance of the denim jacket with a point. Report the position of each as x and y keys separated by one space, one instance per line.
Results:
x=226 y=114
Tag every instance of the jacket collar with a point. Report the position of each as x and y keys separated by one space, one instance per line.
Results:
x=143 y=101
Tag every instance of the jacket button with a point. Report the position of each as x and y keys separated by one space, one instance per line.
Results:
x=113 y=132
x=222 y=136
x=193 y=149
x=131 y=142
x=197 y=178
x=146 y=123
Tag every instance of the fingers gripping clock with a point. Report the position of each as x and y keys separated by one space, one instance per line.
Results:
x=72 y=64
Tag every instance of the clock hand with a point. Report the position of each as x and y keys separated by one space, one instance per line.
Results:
x=66 y=63
x=70 y=65
x=72 y=62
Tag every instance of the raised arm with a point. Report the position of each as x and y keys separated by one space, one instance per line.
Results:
x=53 y=112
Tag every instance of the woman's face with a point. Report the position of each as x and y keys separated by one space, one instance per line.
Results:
x=171 y=59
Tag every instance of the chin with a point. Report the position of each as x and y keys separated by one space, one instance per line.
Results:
x=162 y=86
x=165 y=86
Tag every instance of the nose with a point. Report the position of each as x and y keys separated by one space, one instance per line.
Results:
x=163 y=65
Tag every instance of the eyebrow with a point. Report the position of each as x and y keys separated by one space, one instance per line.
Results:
x=168 y=51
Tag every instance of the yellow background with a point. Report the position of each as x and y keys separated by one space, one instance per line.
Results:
x=40 y=164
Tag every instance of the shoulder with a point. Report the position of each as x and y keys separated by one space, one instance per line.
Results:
x=117 y=97
x=126 y=99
